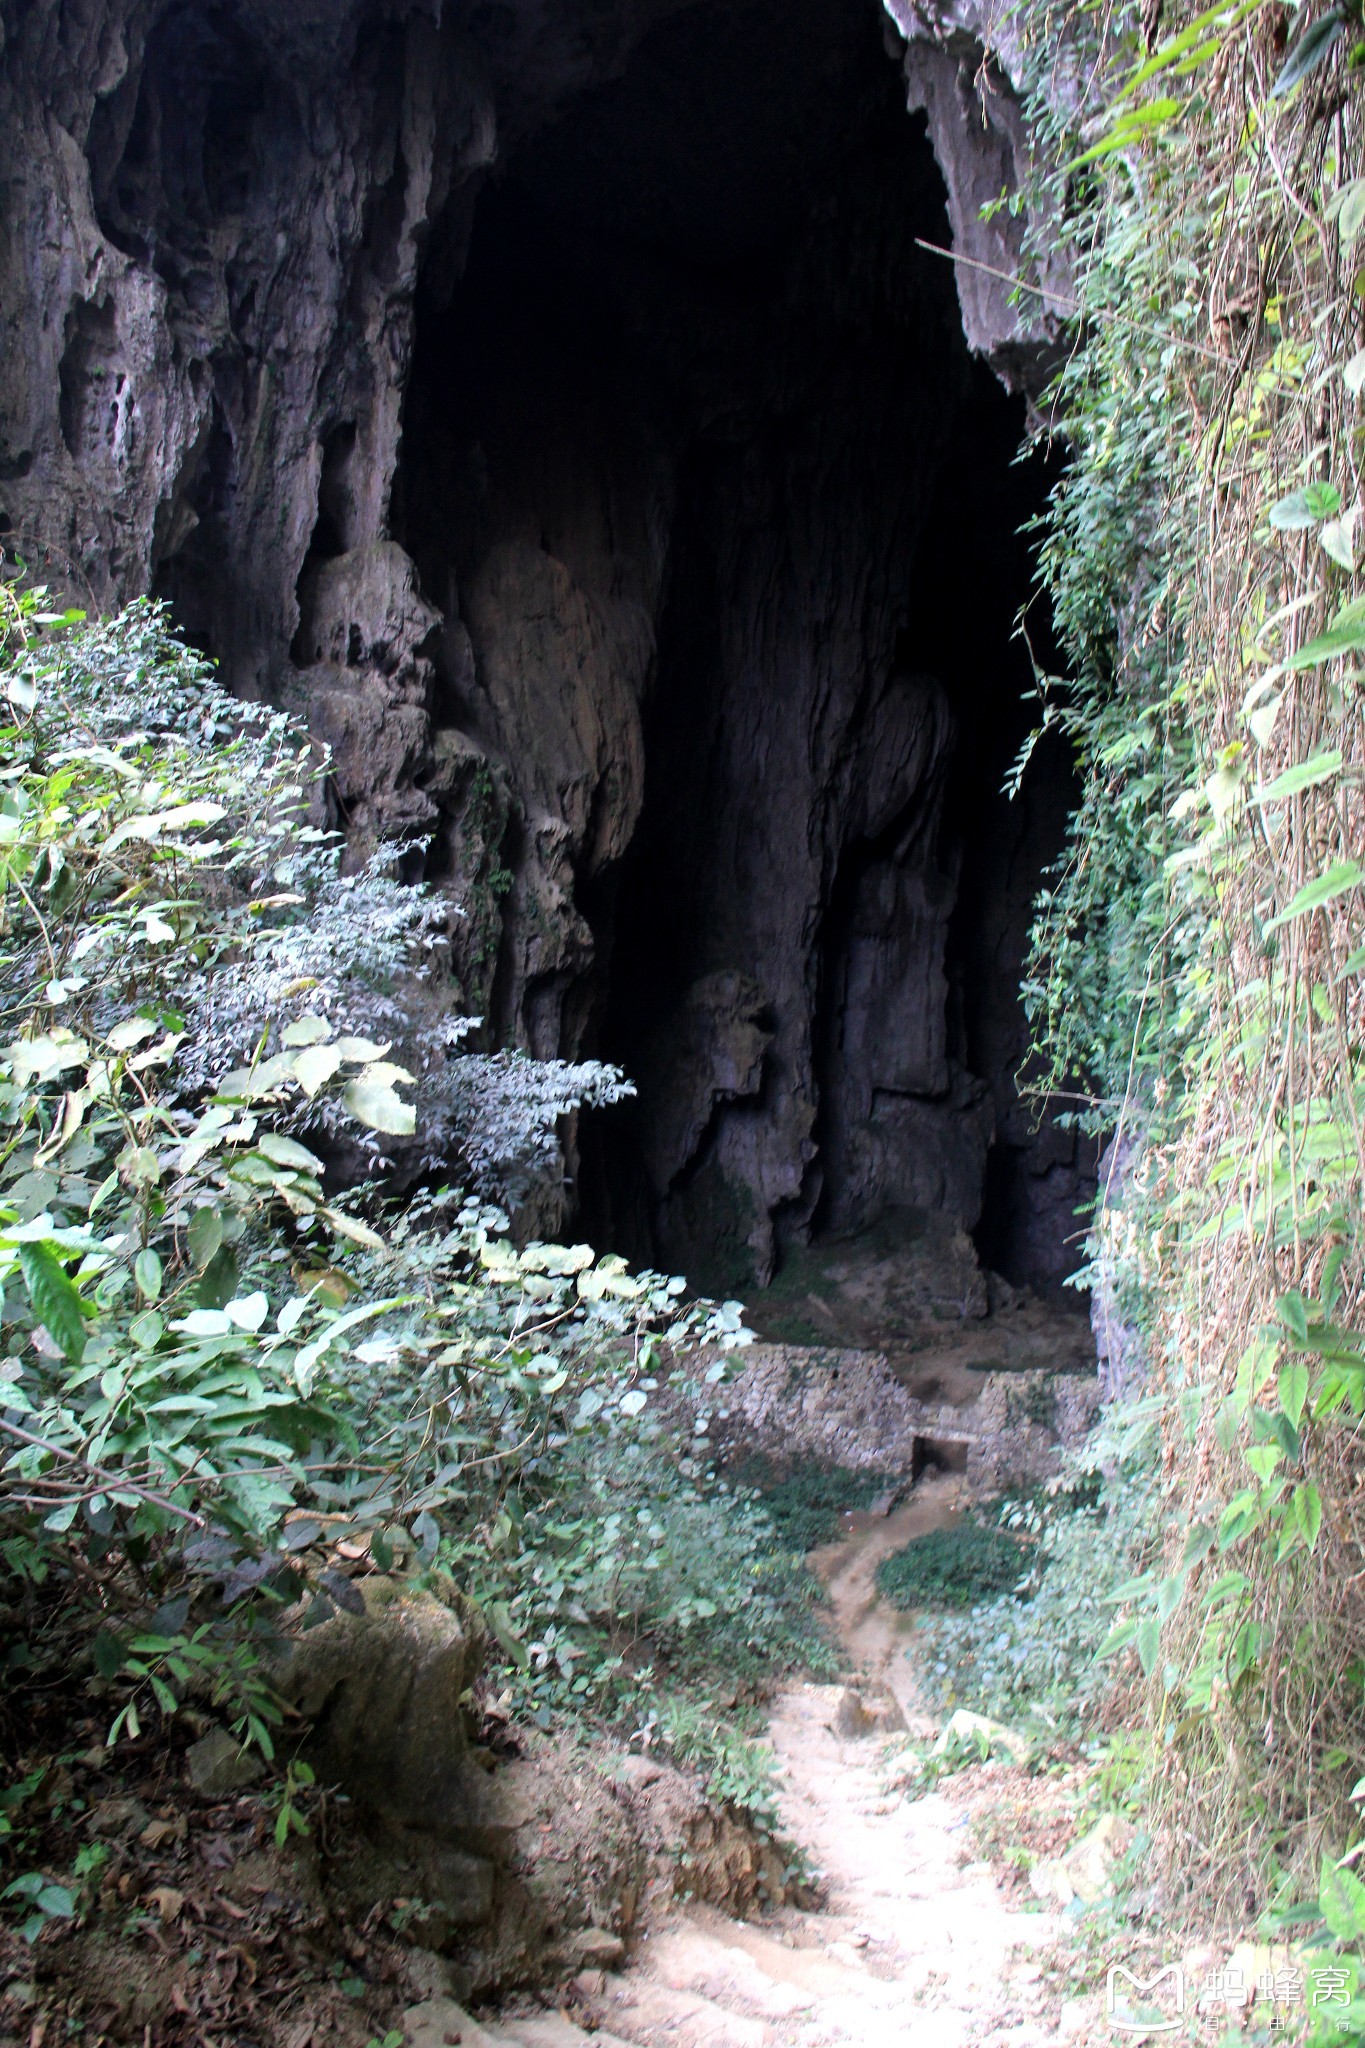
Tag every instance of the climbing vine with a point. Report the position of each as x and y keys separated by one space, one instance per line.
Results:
x=1198 y=955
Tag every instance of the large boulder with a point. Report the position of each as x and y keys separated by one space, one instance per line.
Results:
x=385 y=1690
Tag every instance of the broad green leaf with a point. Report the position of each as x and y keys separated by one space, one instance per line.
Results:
x=205 y=1236
x=1354 y=373
x=1305 y=1508
x=306 y=1031
x=1222 y=789
x=1345 y=635
x=147 y=1273
x=37 y=1059
x=315 y=1066
x=1312 y=49
x=362 y=1049
x=1246 y=1648
x=1292 y=1311
x=1262 y=720
x=349 y=1226
x=1305 y=508
x=1148 y=1641
x=286 y=1152
x=1338 y=880
x=1338 y=539
x=248 y=1312
x=1342 y=1899
x=1320 y=767
x=129 y=1033
x=1118 y=1638
x=1238 y=1518
x=204 y=1322
x=1293 y=1388
x=218 y=1281
x=1131 y=126
x=55 y=1301
x=154 y=825
x=376 y=1105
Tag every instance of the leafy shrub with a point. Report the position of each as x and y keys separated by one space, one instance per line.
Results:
x=213 y=1367
x=951 y=1567
x=806 y=1505
x=1038 y=1658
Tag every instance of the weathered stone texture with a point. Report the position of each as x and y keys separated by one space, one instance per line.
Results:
x=636 y=577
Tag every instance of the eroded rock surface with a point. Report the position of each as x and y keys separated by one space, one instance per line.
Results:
x=527 y=1867
x=551 y=402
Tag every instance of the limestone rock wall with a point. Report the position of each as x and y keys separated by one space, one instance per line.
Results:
x=648 y=592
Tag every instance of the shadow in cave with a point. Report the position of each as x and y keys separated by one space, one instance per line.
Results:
x=724 y=522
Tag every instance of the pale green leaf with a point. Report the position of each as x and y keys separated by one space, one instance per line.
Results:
x=1338 y=539
x=1293 y=1388
x=1338 y=880
x=129 y=1033
x=362 y=1049
x=248 y=1312
x=315 y=1066
x=287 y=1152
x=1305 y=508
x=306 y=1031
x=374 y=1104
x=147 y=1273
x=1319 y=767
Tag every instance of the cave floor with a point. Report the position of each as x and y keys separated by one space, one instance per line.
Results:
x=913 y=1289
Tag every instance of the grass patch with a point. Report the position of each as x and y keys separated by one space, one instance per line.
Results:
x=951 y=1567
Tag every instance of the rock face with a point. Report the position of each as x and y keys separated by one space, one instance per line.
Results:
x=525 y=1869
x=965 y=67
x=850 y=1409
x=552 y=403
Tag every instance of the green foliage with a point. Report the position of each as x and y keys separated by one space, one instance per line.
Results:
x=736 y=1770
x=952 y=1567
x=806 y=1505
x=214 y=1367
x=1198 y=957
x=1034 y=1661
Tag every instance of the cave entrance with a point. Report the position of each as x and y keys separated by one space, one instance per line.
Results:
x=724 y=521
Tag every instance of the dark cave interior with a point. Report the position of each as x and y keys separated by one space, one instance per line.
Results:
x=697 y=456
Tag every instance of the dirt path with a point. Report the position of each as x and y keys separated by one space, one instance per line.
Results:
x=916 y=1946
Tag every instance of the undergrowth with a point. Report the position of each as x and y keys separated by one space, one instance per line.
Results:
x=952 y=1567
x=231 y=1390
x=1198 y=958
x=1028 y=1657
x=806 y=1505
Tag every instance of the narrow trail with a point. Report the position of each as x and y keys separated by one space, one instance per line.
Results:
x=915 y=1943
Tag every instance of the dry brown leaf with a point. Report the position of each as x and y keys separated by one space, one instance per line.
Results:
x=169 y=1903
